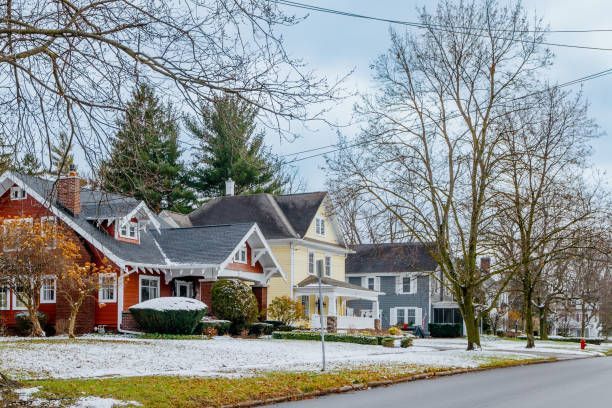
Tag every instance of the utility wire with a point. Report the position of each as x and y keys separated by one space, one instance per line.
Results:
x=452 y=29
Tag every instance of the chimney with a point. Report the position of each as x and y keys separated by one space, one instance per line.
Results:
x=229 y=187
x=69 y=191
x=485 y=264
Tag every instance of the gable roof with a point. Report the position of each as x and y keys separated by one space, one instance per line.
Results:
x=300 y=209
x=285 y=216
x=390 y=257
x=313 y=280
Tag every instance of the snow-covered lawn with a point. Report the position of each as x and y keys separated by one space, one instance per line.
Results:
x=224 y=356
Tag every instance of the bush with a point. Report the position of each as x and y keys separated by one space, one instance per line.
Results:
x=406 y=342
x=275 y=323
x=169 y=315
x=234 y=301
x=23 y=325
x=445 y=329
x=394 y=331
x=591 y=340
x=285 y=310
x=260 y=329
x=331 y=337
x=222 y=326
x=388 y=342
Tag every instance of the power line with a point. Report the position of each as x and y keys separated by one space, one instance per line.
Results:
x=452 y=29
x=339 y=147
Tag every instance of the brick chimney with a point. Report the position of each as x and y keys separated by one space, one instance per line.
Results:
x=69 y=191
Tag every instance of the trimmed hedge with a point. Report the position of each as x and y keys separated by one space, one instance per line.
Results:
x=23 y=324
x=168 y=321
x=388 y=342
x=331 y=337
x=222 y=326
x=445 y=329
x=588 y=340
x=260 y=329
x=406 y=342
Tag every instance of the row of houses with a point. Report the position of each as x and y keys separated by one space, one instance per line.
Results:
x=278 y=244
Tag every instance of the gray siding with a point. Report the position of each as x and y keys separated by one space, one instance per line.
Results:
x=389 y=300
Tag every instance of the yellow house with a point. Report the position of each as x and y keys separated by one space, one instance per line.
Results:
x=306 y=242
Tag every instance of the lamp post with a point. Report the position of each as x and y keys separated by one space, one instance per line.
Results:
x=319 y=275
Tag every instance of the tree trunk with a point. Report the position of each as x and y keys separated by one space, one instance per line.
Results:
x=543 y=324
x=528 y=313
x=74 y=312
x=37 y=330
x=582 y=320
x=471 y=324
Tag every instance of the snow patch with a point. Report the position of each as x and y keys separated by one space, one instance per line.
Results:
x=163 y=304
x=97 y=402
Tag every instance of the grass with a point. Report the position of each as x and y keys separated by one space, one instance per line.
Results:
x=188 y=392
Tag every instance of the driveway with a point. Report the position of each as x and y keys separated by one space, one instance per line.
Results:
x=565 y=384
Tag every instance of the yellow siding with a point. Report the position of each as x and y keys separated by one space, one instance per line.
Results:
x=330 y=234
x=277 y=286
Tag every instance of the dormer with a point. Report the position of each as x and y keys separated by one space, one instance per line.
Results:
x=128 y=230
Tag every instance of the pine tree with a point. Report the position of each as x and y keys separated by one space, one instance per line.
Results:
x=61 y=155
x=29 y=165
x=145 y=157
x=231 y=147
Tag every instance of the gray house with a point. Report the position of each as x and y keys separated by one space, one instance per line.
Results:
x=402 y=272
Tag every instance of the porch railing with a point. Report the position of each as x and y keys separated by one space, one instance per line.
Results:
x=344 y=322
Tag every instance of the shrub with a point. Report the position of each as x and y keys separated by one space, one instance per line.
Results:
x=388 y=342
x=234 y=301
x=260 y=329
x=331 y=337
x=23 y=324
x=394 y=331
x=591 y=340
x=445 y=329
x=169 y=315
x=222 y=326
x=406 y=342
x=285 y=310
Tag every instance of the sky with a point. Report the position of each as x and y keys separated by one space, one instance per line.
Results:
x=334 y=46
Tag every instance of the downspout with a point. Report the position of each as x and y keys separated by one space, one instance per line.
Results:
x=120 y=299
x=292 y=261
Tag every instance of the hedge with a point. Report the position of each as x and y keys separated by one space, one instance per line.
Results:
x=222 y=326
x=168 y=321
x=588 y=340
x=331 y=337
x=445 y=329
x=23 y=324
x=260 y=329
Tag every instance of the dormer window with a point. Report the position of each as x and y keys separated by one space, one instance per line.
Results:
x=129 y=230
x=17 y=193
x=241 y=255
x=320 y=226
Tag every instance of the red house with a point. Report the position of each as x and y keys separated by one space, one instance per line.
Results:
x=151 y=258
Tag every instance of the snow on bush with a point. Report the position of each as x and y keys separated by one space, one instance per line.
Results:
x=171 y=303
x=169 y=315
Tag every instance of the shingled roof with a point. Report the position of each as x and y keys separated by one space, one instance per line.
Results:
x=390 y=257
x=285 y=216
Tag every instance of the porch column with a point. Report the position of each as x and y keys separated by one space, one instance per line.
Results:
x=261 y=294
x=331 y=307
x=375 y=310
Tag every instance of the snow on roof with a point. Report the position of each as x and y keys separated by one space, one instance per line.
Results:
x=171 y=303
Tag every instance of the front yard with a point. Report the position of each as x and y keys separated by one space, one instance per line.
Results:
x=202 y=372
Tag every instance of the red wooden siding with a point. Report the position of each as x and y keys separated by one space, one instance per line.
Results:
x=237 y=266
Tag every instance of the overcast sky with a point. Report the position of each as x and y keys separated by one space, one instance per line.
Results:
x=334 y=45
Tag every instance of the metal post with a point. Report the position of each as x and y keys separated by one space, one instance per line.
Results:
x=321 y=322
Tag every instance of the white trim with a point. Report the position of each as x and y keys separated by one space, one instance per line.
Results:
x=6 y=290
x=187 y=284
x=366 y=284
x=418 y=315
x=320 y=226
x=312 y=255
x=333 y=248
x=238 y=255
x=326 y=265
x=14 y=302
x=148 y=277
x=128 y=227
x=100 y=289
x=388 y=273
x=42 y=290
x=22 y=194
x=150 y=215
x=399 y=284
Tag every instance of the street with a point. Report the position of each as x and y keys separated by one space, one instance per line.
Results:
x=571 y=384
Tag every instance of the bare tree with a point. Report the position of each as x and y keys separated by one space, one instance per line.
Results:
x=430 y=151
x=68 y=66
x=540 y=198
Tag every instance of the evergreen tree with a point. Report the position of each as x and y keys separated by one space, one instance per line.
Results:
x=29 y=165
x=61 y=155
x=145 y=157
x=230 y=147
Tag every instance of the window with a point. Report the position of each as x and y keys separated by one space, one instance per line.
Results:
x=328 y=266
x=370 y=282
x=311 y=263
x=17 y=193
x=447 y=315
x=149 y=288
x=129 y=230
x=184 y=289
x=241 y=255
x=406 y=315
x=18 y=304
x=4 y=298
x=406 y=284
x=320 y=226
x=47 y=291
x=107 y=291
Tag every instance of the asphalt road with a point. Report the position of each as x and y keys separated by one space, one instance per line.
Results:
x=571 y=384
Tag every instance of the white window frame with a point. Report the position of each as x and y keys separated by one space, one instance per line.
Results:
x=365 y=282
x=42 y=290
x=7 y=291
x=188 y=285
x=21 y=194
x=143 y=277
x=241 y=255
x=399 y=284
x=28 y=220
x=328 y=265
x=14 y=300
x=311 y=263
x=129 y=225
x=101 y=298
x=320 y=226
x=418 y=315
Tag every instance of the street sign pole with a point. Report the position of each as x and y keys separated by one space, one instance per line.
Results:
x=321 y=321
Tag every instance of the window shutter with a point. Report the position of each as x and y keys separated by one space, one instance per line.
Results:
x=364 y=281
x=418 y=317
x=413 y=284
x=377 y=283
x=398 y=284
x=393 y=316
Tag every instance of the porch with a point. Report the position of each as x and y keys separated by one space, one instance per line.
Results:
x=334 y=295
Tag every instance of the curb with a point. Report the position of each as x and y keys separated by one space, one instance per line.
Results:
x=376 y=384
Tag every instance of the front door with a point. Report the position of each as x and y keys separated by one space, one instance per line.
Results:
x=184 y=289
